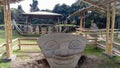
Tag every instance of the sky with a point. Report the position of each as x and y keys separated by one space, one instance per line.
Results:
x=43 y=4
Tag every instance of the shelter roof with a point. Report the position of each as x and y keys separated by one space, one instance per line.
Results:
x=42 y=14
x=11 y=1
x=97 y=5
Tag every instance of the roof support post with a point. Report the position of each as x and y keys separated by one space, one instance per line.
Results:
x=81 y=23
x=107 y=30
x=8 y=28
x=112 y=28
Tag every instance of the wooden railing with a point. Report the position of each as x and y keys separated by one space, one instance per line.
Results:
x=100 y=32
x=19 y=42
x=4 y=44
x=27 y=41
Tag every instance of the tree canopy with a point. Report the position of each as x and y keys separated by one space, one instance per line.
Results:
x=34 y=6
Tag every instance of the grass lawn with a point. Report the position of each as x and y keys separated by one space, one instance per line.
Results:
x=5 y=64
x=2 y=36
x=2 y=40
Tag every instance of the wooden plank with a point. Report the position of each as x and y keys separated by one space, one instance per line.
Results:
x=94 y=3
x=2 y=44
x=28 y=44
x=115 y=51
x=28 y=38
x=118 y=44
x=14 y=40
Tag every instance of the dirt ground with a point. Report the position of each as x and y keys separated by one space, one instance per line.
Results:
x=37 y=60
x=31 y=57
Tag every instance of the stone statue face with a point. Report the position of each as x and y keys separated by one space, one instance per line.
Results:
x=62 y=48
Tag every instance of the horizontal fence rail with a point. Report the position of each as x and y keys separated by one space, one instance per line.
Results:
x=27 y=41
x=3 y=48
x=19 y=42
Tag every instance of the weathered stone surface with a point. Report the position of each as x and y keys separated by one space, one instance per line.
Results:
x=30 y=29
x=43 y=30
x=62 y=50
x=49 y=29
x=94 y=27
x=37 y=30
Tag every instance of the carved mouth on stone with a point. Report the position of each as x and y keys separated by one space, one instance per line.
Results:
x=63 y=60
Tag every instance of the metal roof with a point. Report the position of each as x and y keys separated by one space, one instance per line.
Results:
x=42 y=14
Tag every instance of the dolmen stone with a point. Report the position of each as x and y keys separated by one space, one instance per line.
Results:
x=62 y=50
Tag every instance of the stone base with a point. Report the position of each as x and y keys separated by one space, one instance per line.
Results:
x=12 y=58
x=112 y=55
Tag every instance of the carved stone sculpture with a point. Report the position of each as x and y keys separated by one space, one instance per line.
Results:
x=62 y=50
x=94 y=27
x=43 y=30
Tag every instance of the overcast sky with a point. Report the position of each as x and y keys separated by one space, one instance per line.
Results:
x=43 y=4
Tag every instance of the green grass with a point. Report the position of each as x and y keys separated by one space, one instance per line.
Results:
x=2 y=36
x=91 y=50
x=2 y=40
x=4 y=64
x=109 y=62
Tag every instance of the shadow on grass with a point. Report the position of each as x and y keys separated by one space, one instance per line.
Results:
x=4 y=64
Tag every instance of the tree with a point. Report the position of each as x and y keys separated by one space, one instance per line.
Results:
x=66 y=10
x=34 y=6
x=17 y=14
x=1 y=15
x=62 y=9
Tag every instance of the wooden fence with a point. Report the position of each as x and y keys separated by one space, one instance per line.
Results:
x=26 y=41
x=19 y=42
x=2 y=46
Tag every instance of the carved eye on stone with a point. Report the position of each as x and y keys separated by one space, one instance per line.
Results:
x=75 y=44
x=51 y=45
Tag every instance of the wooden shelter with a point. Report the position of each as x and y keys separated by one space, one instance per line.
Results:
x=36 y=28
x=8 y=26
x=109 y=7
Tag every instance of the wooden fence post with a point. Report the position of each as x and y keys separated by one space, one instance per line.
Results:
x=96 y=42
x=19 y=44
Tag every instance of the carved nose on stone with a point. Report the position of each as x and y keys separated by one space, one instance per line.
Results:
x=62 y=53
